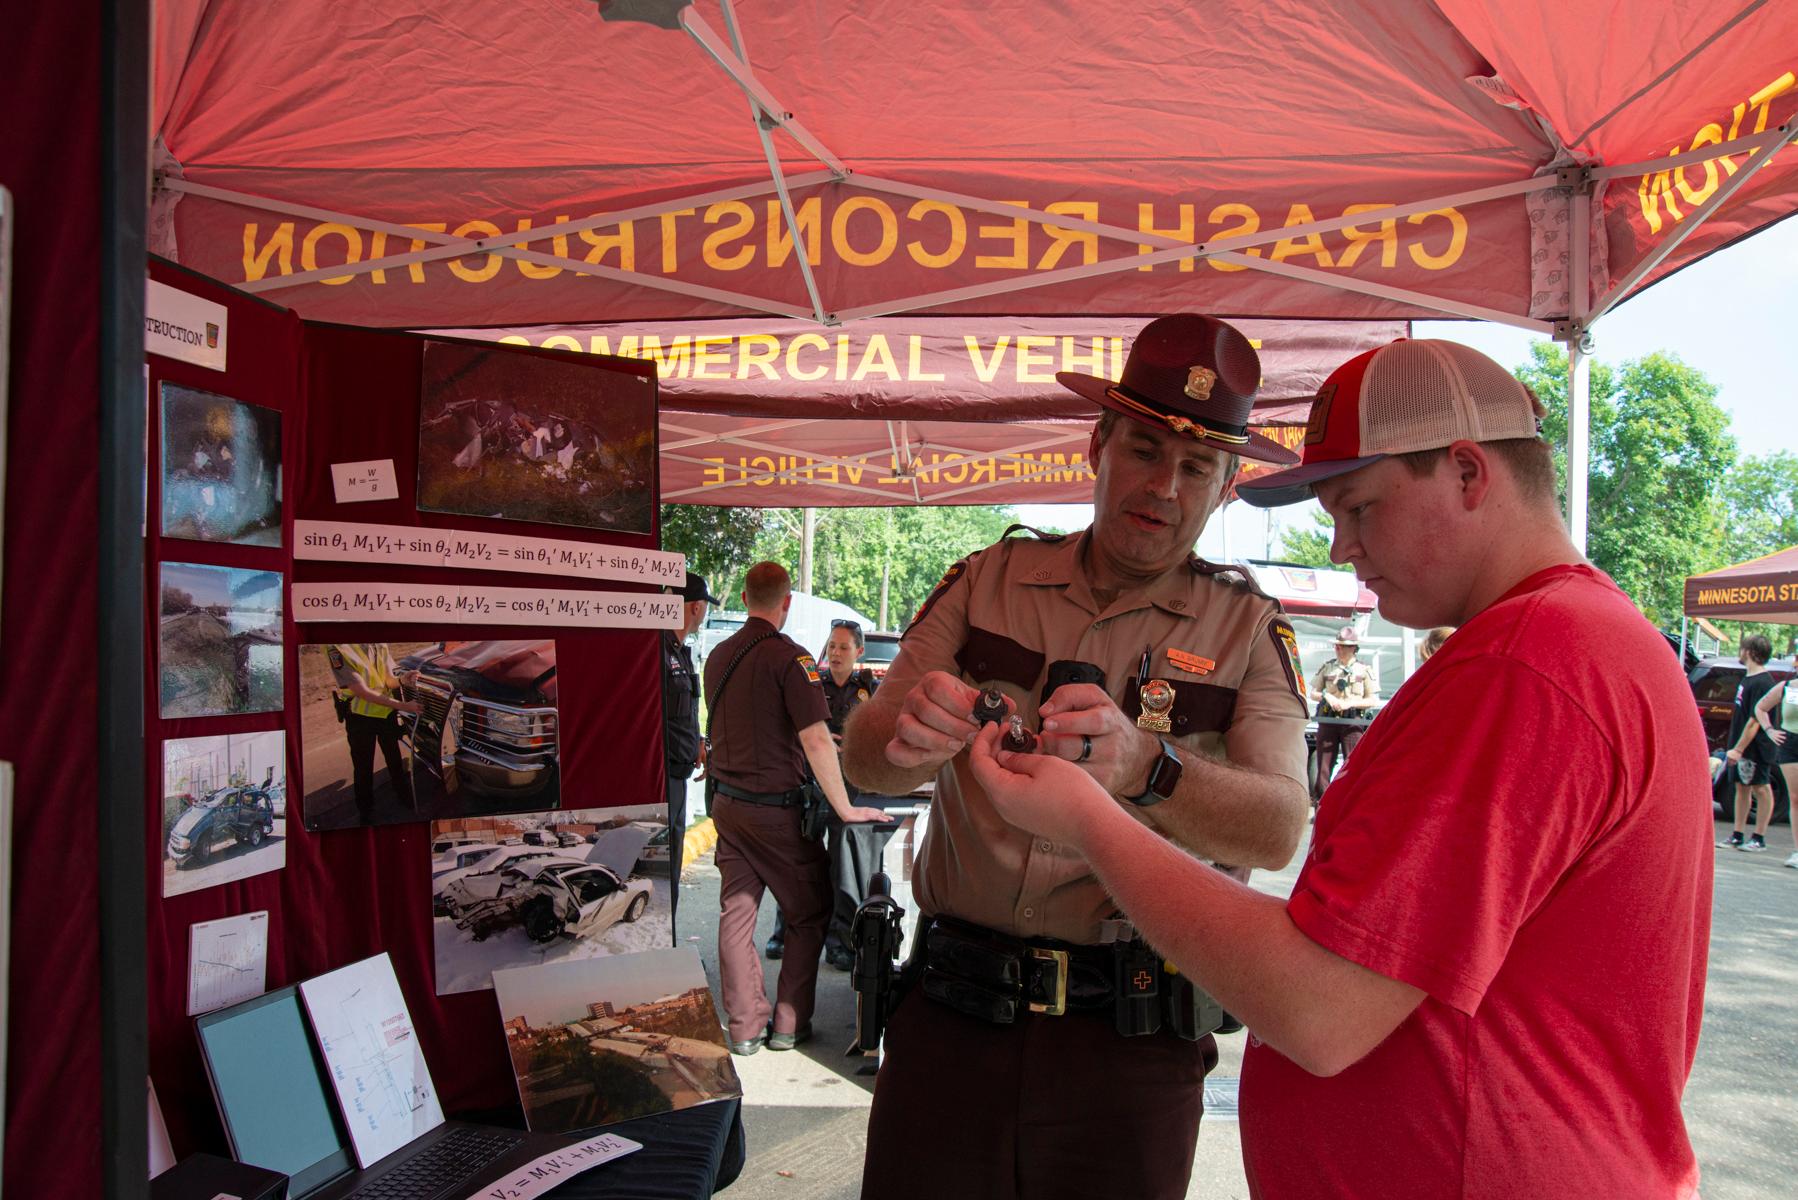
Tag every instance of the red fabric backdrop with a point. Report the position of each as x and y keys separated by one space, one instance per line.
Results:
x=48 y=651
x=352 y=395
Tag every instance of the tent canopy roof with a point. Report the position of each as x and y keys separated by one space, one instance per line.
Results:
x=1761 y=589
x=1230 y=141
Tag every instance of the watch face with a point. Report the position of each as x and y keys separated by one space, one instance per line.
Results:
x=1165 y=776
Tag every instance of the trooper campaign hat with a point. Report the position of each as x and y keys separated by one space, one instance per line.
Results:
x=695 y=589
x=1405 y=396
x=1347 y=637
x=1194 y=375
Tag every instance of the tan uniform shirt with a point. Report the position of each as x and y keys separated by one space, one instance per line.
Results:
x=1351 y=685
x=999 y=619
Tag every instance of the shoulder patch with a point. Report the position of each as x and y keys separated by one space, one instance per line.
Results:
x=811 y=667
x=1288 y=644
x=334 y=657
x=956 y=571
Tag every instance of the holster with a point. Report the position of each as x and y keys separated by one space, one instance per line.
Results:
x=814 y=812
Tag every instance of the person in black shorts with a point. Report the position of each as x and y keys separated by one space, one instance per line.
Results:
x=1751 y=752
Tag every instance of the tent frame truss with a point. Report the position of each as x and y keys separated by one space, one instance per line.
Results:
x=1579 y=183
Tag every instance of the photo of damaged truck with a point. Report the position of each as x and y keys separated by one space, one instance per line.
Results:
x=485 y=738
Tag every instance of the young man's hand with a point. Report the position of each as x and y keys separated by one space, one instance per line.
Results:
x=1039 y=792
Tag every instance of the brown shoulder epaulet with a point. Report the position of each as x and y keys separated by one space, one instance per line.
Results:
x=1039 y=534
x=1231 y=574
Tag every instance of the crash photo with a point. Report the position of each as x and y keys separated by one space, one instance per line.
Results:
x=609 y=1039
x=517 y=891
x=221 y=468
x=418 y=731
x=533 y=438
x=224 y=809
x=219 y=641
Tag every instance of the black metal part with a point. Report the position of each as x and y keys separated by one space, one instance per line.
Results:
x=124 y=1001
x=989 y=708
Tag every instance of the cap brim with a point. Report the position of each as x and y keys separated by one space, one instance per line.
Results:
x=1292 y=487
x=1091 y=387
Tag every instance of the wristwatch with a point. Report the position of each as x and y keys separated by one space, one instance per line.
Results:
x=1164 y=777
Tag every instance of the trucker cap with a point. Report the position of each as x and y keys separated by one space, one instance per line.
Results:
x=1406 y=395
x=695 y=589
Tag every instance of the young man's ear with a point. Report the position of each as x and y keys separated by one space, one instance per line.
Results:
x=1472 y=468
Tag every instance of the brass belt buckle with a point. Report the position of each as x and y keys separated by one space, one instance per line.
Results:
x=1059 y=1004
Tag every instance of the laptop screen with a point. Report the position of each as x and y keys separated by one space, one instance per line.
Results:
x=272 y=1092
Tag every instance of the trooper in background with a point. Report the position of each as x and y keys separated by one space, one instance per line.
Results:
x=852 y=866
x=682 y=747
x=366 y=671
x=1052 y=1088
x=768 y=724
x=1344 y=690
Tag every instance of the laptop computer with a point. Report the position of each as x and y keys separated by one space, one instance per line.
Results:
x=279 y=1110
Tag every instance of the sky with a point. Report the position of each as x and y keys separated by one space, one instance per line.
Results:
x=559 y=992
x=1730 y=316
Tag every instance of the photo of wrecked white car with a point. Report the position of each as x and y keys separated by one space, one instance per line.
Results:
x=549 y=897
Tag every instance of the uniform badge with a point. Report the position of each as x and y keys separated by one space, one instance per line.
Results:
x=861 y=694
x=1199 y=381
x=811 y=668
x=1192 y=664
x=1157 y=697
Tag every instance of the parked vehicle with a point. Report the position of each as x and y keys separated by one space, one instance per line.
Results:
x=489 y=715
x=879 y=651
x=655 y=858
x=236 y=815
x=570 y=839
x=540 y=837
x=1714 y=682
x=463 y=856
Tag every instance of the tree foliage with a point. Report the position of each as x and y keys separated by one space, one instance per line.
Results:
x=719 y=542
x=1660 y=451
x=852 y=547
x=1760 y=507
x=1311 y=547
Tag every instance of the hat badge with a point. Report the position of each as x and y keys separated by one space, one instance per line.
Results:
x=1199 y=381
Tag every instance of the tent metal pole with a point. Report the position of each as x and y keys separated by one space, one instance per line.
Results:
x=744 y=74
x=1787 y=133
x=1579 y=367
x=1742 y=145
x=1579 y=416
x=1401 y=295
x=764 y=120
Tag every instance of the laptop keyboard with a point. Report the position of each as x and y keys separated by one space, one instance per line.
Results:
x=451 y=1161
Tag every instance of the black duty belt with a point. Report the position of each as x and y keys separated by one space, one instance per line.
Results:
x=996 y=977
x=786 y=799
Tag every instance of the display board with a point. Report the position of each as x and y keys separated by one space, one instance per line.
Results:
x=320 y=428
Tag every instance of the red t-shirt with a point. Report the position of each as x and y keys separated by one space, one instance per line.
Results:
x=1525 y=835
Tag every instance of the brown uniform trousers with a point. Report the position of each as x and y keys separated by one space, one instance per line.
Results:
x=1068 y=1084
x=759 y=847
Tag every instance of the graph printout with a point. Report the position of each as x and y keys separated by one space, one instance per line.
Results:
x=227 y=961
x=371 y=1049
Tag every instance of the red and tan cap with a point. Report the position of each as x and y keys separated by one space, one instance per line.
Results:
x=1406 y=395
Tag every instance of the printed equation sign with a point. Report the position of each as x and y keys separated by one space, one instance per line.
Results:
x=412 y=546
x=488 y=605
x=537 y=1177
x=355 y=482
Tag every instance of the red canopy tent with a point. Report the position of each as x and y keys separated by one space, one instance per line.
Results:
x=620 y=162
x=1761 y=589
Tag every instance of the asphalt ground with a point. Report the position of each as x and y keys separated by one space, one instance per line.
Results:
x=805 y=1112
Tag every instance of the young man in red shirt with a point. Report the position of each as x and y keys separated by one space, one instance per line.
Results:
x=1489 y=977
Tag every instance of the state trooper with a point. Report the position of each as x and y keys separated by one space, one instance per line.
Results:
x=1041 y=1049
x=768 y=724
x=682 y=747
x=1345 y=690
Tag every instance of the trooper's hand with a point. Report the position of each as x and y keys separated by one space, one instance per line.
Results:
x=1037 y=792
x=1080 y=715
x=935 y=722
x=867 y=816
x=406 y=706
